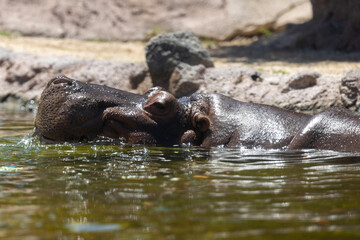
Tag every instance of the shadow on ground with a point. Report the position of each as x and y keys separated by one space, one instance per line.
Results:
x=259 y=51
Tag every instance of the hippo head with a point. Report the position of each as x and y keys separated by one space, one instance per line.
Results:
x=71 y=110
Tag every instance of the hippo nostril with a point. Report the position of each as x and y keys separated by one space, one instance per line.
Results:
x=62 y=79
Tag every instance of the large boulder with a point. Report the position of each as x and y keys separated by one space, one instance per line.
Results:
x=171 y=58
x=135 y=20
x=250 y=85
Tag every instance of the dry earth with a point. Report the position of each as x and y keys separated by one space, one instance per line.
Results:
x=237 y=52
x=130 y=20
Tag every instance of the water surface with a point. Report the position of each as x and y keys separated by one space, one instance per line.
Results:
x=102 y=191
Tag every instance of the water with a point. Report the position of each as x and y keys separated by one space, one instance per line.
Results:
x=94 y=191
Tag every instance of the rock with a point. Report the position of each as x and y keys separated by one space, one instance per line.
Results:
x=298 y=13
x=245 y=18
x=330 y=28
x=236 y=82
x=349 y=89
x=23 y=76
x=186 y=79
x=303 y=79
x=129 y=20
x=234 y=75
x=138 y=76
x=166 y=52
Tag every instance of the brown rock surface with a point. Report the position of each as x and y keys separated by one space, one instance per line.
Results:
x=248 y=85
x=334 y=25
x=137 y=19
x=350 y=89
x=303 y=79
x=243 y=72
x=24 y=75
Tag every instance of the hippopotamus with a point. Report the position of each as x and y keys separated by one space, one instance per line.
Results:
x=72 y=111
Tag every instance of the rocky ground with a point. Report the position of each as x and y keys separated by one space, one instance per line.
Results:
x=302 y=80
x=130 y=20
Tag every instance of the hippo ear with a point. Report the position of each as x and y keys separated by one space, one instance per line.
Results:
x=201 y=122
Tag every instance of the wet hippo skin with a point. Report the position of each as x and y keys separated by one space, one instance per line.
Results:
x=71 y=110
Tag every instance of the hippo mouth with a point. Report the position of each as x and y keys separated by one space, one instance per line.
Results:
x=126 y=128
x=85 y=131
x=116 y=129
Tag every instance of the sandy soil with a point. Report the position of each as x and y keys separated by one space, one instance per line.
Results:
x=116 y=51
x=238 y=52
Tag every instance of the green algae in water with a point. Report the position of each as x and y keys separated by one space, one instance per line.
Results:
x=104 y=191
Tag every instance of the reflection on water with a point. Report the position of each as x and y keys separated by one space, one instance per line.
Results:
x=15 y=122
x=99 y=191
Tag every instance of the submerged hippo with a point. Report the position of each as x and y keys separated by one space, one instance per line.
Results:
x=71 y=110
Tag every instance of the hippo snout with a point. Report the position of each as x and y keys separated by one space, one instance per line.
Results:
x=71 y=110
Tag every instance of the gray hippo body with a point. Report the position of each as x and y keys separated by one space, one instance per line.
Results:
x=71 y=110
x=334 y=129
x=232 y=123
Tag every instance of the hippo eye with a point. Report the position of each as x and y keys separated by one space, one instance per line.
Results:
x=158 y=108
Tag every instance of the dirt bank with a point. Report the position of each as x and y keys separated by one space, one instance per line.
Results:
x=237 y=52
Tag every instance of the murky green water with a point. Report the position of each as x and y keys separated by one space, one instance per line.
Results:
x=110 y=192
